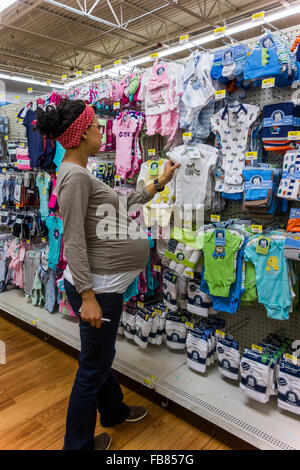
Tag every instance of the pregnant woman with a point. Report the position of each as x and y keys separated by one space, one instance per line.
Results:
x=103 y=259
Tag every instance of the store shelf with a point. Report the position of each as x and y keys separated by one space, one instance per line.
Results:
x=145 y=366
x=220 y=401
x=209 y=395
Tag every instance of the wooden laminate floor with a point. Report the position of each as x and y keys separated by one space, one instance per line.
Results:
x=35 y=384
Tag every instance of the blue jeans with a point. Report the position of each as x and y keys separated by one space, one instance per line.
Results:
x=95 y=387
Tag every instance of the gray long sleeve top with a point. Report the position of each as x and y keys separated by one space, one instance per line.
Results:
x=99 y=236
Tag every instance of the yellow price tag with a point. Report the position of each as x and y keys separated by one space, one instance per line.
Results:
x=44 y=240
x=97 y=68
x=251 y=155
x=29 y=90
x=215 y=218
x=151 y=152
x=256 y=228
x=117 y=62
x=22 y=144
x=17 y=97
x=189 y=325
x=184 y=39
x=64 y=77
x=294 y=359
x=258 y=16
x=187 y=135
x=48 y=82
x=153 y=377
x=140 y=304
x=220 y=333
x=256 y=348
x=15 y=164
x=6 y=137
x=220 y=94
x=189 y=274
x=3 y=170
x=294 y=135
x=147 y=382
x=268 y=83
x=28 y=242
x=187 y=224
x=117 y=105
x=78 y=72
x=220 y=31
x=3 y=206
x=157 y=268
x=154 y=55
x=117 y=178
x=33 y=322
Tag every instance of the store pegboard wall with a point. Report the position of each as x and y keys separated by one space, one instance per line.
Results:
x=250 y=325
x=17 y=130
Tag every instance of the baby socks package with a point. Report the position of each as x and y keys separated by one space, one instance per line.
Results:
x=228 y=358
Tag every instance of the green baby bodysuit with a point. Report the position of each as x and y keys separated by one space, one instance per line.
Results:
x=250 y=294
x=220 y=248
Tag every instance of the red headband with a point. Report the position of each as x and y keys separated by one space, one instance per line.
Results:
x=71 y=138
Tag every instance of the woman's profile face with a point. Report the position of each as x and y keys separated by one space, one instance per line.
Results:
x=94 y=136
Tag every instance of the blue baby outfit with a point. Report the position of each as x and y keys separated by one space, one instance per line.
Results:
x=271 y=278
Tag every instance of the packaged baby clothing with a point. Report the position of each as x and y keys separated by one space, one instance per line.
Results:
x=293 y=224
x=289 y=387
x=256 y=371
x=292 y=246
x=184 y=251
x=232 y=125
x=176 y=331
x=197 y=350
x=199 y=303
x=228 y=358
x=289 y=187
x=278 y=121
x=170 y=282
x=143 y=325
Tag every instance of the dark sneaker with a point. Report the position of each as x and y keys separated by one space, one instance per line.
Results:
x=103 y=441
x=136 y=414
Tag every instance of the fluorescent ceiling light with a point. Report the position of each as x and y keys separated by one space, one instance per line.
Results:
x=5 y=4
x=32 y=81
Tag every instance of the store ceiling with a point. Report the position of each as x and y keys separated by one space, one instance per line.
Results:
x=45 y=39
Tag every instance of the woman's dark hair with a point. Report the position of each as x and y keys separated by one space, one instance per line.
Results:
x=52 y=121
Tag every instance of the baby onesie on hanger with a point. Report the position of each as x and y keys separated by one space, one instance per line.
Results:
x=192 y=177
x=124 y=128
x=55 y=228
x=232 y=124
x=159 y=209
x=43 y=183
x=220 y=250
x=271 y=275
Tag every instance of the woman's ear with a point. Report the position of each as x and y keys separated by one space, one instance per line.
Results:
x=84 y=135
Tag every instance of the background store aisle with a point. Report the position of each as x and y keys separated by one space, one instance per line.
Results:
x=34 y=390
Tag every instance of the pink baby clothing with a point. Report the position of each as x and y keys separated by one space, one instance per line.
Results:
x=124 y=129
x=163 y=124
x=53 y=198
x=17 y=251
